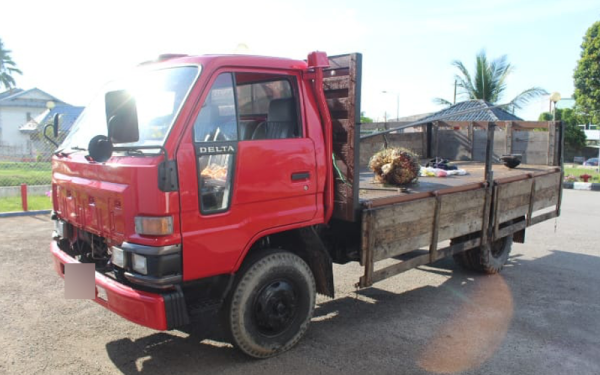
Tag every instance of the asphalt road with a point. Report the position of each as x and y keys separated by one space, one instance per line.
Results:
x=540 y=316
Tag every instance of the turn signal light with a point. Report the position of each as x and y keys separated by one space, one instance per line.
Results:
x=154 y=226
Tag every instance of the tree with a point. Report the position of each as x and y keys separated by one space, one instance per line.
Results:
x=7 y=68
x=489 y=82
x=364 y=119
x=587 y=75
x=574 y=136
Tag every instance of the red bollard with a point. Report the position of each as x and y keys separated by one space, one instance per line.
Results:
x=24 y=196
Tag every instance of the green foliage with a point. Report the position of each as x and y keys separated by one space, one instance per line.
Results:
x=489 y=82
x=8 y=68
x=34 y=203
x=574 y=173
x=364 y=119
x=587 y=75
x=15 y=174
x=574 y=135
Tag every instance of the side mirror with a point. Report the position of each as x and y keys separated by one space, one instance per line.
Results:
x=55 y=124
x=121 y=113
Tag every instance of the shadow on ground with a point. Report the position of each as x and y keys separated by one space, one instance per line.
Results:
x=456 y=326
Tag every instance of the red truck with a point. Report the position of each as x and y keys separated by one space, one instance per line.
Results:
x=232 y=184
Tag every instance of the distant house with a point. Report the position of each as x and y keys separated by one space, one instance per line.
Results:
x=68 y=115
x=18 y=107
x=473 y=110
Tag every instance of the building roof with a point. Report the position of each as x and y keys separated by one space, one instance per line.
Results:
x=68 y=115
x=485 y=114
x=34 y=98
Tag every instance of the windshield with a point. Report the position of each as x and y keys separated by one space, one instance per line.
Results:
x=159 y=95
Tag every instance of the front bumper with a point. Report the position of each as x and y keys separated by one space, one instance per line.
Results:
x=152 y=310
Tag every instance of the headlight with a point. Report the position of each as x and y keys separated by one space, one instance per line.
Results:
x=139 y=264
x=154 y=226
x=118 y=257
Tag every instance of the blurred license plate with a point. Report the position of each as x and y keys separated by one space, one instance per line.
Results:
x=102 y=293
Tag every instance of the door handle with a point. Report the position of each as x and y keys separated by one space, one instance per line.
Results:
x=300 y=176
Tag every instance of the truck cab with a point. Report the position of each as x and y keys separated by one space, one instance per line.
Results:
x=175 y=173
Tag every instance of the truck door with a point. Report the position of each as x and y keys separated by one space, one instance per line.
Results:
x=253 y=169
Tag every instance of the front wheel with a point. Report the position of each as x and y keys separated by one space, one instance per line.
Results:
x=271 y=304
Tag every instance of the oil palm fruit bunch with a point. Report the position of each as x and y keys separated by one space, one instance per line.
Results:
x=395 y=166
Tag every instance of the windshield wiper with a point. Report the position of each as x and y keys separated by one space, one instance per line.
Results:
x=61 y=152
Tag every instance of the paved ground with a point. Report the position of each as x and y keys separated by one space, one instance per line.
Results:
x=541 y=316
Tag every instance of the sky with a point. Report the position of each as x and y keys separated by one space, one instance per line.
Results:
x=71 y=48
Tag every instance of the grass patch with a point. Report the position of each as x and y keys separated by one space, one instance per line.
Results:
x=34 y=203
x=15 y=174
x=578 y=171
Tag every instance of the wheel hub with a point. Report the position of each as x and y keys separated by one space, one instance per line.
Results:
x=275 y=307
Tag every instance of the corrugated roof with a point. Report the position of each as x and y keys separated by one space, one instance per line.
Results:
x=17 y=98
x=485 y=114
x=68 y=116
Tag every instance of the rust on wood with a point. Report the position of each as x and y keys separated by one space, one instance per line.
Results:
x=434 y=228
x=341 y=84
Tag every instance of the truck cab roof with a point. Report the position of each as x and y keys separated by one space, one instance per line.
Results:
x=250 y=61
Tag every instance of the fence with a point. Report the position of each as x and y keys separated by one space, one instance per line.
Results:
x=25 y=172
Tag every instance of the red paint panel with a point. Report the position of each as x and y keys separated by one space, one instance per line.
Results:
x=146 y=309
x=264 y=198
x=264 y=171
x=105 y=198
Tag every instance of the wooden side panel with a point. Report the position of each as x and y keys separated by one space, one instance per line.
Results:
x=461 y=213
x=532 y=145
x=546 y=191
x=341 y=83
x=407 y=226
x=513 y=200
x=402 y=227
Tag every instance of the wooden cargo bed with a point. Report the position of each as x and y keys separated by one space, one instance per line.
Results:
x=373 y=191
x=400 y=224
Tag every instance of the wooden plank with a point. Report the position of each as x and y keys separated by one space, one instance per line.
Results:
x=434 y=229
x=395 y=248
x=336 y=83
x=543 y=217
x=513 y=189
x=549 y=180
x=405 y=211
x=345 y=113
x=545 y=198
x=471 y=140
x=420 y=260
x=403 y=231
x=339 y=104
x=514 y=213
x=551 y=143
x=461 y=214
x=368 y=225
x=508 y=137
x=512 y=229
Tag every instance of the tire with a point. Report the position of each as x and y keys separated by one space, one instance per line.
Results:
x=271 y=304
x=482 y=260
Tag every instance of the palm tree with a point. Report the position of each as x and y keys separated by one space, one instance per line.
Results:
x=7 y=68
x=489 y=82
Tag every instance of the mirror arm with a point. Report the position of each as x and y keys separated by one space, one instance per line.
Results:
x=46 y=135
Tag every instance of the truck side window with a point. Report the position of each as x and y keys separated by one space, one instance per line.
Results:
x=267 y=106
x=217 y=120
x=215 y=136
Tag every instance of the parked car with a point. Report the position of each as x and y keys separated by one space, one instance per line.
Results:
x=591 y=162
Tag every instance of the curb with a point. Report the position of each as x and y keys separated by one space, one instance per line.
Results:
x=592 y=186
x=24 y=213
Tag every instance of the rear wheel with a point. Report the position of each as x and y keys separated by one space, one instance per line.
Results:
x=271 y=304
x=490 y=260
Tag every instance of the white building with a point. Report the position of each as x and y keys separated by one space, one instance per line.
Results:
x=17 y=107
